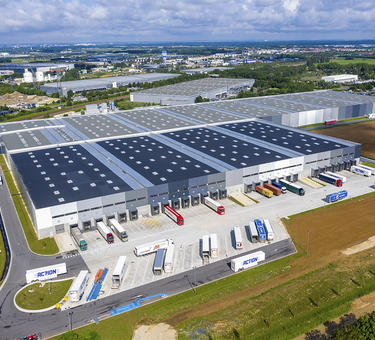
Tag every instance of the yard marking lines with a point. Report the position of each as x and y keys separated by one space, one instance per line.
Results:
x=151 y=223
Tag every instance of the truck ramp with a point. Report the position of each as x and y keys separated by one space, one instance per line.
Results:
x=310 y=182
x=242 y=199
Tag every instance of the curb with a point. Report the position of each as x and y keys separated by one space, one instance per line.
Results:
x=24 y=310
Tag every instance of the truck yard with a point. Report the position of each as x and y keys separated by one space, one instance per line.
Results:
x=199 y=221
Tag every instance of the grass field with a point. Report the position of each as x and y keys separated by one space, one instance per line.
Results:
x=281 y=299
x=354 y=61
x=363 y=133
x=2 y=257
x=42 y=295
x=46 y=246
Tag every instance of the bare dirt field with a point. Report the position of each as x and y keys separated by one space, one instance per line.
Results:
x=160 y=331
x=363 y=133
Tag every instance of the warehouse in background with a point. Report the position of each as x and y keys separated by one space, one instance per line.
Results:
x=187 y=92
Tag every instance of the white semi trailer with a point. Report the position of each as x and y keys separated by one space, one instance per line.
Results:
x=152 y=247
x=247 y=261
x=78 y=286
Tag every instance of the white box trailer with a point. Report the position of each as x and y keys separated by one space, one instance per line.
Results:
x=269 y=230
x=334 y=174
x=253 y=232
x=247 y=261
x=369 y=168
x=237 y=237
x=360 y=171
x=105 y=231
x=78 y=286
x=45 y=273
x=119 y=272
x=214 y=205
x=214 y=247
x=168 y=261
x=118 y=229
x=151 y=247
x=206 y=247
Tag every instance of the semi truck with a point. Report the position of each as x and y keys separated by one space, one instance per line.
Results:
x=119 y=272
x=159 y=261
x=151 y=247
x=118 y=229
x=367 y=168
x=214 y=249
x=174 y=215
x=214 y=205
x=330 y=179
x=278 y=185
x=253 y=232
x=360 y=171
x=336 y=196
x=269 y=230
x=237 y=237
x=333 y=174
x=205 y=247
x=266 y=192
x=292 y=187
x=260 y=229
x=78 y=238
x=78 y=286
x=168 y=261
x=105 y=232
x=276 y=191
x=247 y=261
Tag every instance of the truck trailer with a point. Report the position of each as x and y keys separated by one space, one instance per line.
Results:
x=151 y=247
x=269 y=230
x=253 y=232
x=266 y=192
x=333 y=174
x=205 y=247
x=159 y=261
x=78 y=238
x=118 y=229
x=280 y=186
x=214 y=205
x=78 y=286
x=276 y=191
x=105 y=232
x=292 y=187
x=174 y=215
x=360 y=171
x=119 y=272
x=261 y=231
x=214 y=248
x=330 y=179
x=168 y=261
x=247 y=261
x=237 y=237
x=367 y=168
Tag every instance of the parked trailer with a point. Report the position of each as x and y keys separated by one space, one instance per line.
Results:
x=330 y=179
x=360 y=171
x=78 y=286
x=174 y=215
x=238 y=237
x=278 y=185
x=214 y=205
x=269 y=230
x=159 y=261
x=78 y=238
x=371 y=116
x=118 y=229
x=119 y=272
x=292 y=187
x=151 y=247
x=105 y=232
x=333 y=174
x=247 y=261
x=253 y=232
x=168 y=261
x=276 y=191
x=205 y=247
x=214 y=248
x=328 y=122
x=260 y=229
x=367 y=168
x=336 y=196
x=266 y=192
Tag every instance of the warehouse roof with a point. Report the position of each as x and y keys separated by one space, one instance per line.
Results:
x=65 y=174
x=155 y=161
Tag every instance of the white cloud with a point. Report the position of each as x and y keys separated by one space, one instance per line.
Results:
x=291 y=5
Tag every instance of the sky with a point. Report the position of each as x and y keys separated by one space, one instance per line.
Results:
x=43 y=21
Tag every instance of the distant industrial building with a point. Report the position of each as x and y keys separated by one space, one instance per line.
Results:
x=103 y=83
x=187 y=92
x=203 y=70
x=77 y=171
x=33 y=67
x=341 y=78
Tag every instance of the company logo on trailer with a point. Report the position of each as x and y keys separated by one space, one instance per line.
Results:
x=253 y=259
x=47 y=273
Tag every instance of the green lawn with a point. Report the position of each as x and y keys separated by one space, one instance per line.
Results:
x=37 y=297
x=46 y=246
x=2 y=257
x=354 y=61
x=372 y=165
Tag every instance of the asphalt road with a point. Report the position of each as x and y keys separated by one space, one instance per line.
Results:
x=14 y=323
x=368 y=160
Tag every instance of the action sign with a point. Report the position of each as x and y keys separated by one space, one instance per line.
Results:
x=45 y=273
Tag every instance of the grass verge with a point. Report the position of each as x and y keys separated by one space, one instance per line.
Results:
x=46 y=246
x=42 y=295
x=235 y=201
x=372 y=165
x=2 y=257
x=253 y=199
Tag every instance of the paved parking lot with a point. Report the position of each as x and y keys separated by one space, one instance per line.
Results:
x=201 y=220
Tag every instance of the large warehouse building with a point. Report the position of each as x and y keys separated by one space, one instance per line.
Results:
x=187 y=92
x=79 y=170
x=103 y=83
